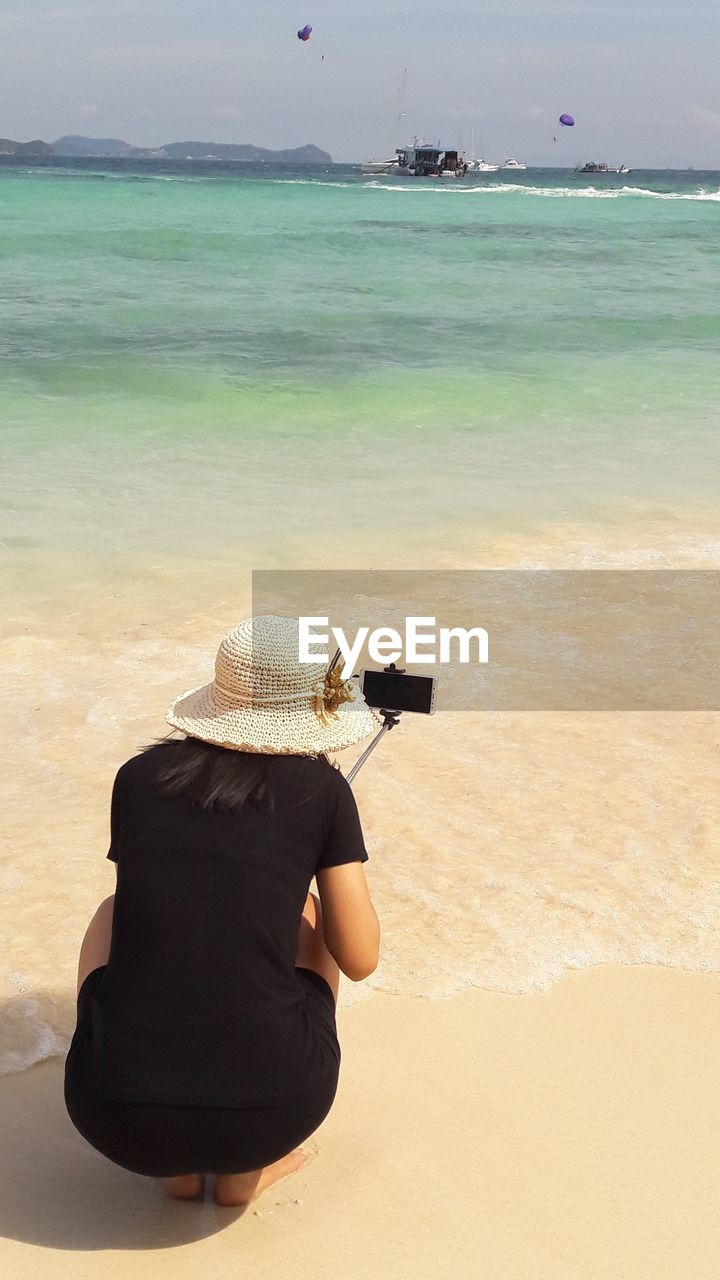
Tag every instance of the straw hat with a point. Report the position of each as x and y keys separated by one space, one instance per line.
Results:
x=264 y=699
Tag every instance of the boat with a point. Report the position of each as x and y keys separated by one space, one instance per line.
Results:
x=423 y=160
x=592 y=167
x=380 y=166
x=513 y=164
x=474 y=165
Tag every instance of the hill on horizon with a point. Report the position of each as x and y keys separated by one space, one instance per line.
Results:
x=308 y=154
x=8 y=147
x=73 y=144
x=77 y=145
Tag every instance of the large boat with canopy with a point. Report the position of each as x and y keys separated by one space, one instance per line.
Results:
x=423 y=160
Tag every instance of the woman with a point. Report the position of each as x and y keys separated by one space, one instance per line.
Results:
x=206 y=1039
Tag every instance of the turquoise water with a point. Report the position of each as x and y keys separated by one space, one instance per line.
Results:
x=190 y=349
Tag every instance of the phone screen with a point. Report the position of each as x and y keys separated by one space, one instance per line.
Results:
x=394 y=691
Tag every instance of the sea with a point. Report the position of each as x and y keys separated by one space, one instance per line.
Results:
x=207 y=369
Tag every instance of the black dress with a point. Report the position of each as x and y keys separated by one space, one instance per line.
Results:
x=200 y=1046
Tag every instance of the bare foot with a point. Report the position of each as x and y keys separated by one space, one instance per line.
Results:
x=241 y=1188
x=188 y=1186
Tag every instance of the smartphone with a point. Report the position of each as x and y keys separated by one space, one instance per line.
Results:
x=396 y=691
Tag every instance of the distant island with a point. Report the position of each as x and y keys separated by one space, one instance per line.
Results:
x=103 y=148
x=34 y=148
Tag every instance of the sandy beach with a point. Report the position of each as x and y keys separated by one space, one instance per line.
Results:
x=571 y=1134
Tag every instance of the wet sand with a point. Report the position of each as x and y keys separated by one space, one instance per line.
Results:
x=506 y=849
x=570 y=1134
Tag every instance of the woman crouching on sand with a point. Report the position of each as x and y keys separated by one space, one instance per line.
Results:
x=206 y=1039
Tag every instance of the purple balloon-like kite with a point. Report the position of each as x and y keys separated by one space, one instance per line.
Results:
x=304 y=33
x=567 y=120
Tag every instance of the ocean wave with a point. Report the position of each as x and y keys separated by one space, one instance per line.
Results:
x=29 y=1037
x=313 y=182
x=554 y=193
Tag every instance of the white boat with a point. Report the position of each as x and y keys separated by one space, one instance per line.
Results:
x=391 y=165
x=513 y=164
x=479 y=166
x=380 y=166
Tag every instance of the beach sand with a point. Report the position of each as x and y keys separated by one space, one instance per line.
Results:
x=569 y=1134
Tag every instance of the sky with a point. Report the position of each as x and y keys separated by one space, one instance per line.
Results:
x=640 y=76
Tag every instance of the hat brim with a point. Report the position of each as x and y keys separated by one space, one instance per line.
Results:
x=292 y=729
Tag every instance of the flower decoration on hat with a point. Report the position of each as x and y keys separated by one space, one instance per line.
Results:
x=331 y=692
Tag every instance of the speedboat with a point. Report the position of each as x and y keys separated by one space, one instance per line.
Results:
x=481 y=166
x=514 y=164
x=380 y=166
x=473 y=165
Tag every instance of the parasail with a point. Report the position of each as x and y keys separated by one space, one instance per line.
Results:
x=304 y=33
x=567 y=120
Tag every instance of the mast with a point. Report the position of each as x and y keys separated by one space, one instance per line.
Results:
x=397 y=119
x=401 y=105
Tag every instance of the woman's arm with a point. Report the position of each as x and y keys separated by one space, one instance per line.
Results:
x=95 y=948
x=350 y=923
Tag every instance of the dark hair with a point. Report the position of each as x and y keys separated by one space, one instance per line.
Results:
x=215 y=778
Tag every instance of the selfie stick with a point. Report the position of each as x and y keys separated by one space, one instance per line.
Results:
x=390 y=719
